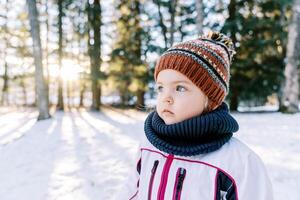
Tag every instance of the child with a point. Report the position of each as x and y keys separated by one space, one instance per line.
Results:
x=189 y=152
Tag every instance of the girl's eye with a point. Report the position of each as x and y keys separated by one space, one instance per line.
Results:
x=159 y=88
x=180 y=88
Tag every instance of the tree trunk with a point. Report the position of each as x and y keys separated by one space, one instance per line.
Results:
x=47 y=49
x=281 y=88
x=23 y=86
x=140 y=98
x=199 y=19
x=172 y=10
x=161 y=23
x=138 y=52
x=82 y=90
x=4 y=98
x=291 y=72
x=95 y=52
x=41 y=88
x=60 y=103
x=234 y=100
x=68 y=84
x=234 y=77
x=81 y=78
x=232 y=18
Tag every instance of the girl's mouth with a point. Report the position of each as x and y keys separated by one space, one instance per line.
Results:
x=167 y=112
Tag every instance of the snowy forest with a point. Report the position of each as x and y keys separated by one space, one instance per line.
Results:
x=76 y=84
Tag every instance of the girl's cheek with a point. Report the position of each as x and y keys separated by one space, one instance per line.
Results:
x=158 y=102
x=158 y=99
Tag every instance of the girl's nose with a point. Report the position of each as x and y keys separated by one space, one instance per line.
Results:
x=169 y=100
x=166 y=96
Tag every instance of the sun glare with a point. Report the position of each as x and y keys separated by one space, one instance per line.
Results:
x=69 y=71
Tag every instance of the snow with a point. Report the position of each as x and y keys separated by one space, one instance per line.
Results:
x=86 y=155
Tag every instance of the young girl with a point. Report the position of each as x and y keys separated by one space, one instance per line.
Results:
x=189 y=152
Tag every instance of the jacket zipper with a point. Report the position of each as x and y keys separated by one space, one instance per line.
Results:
x=164 y=178
x=153 y=171
x=180 y=175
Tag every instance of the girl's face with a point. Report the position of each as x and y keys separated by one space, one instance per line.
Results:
x=178 y=98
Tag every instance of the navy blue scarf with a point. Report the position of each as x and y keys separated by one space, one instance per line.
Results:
x=200 y=134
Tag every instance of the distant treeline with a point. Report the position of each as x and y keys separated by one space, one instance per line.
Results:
x=87 y=51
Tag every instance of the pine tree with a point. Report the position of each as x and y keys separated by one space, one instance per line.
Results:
x=259 y=35
x=127 y=70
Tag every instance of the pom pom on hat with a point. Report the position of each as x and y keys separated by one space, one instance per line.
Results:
x=223 y=40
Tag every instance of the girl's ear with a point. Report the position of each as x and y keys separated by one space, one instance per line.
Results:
x=206 y=105
x=206 y=102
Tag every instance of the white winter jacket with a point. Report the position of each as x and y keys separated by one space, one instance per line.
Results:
x=234 y=172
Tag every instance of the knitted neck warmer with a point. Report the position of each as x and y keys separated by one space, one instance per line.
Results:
x=197 y=135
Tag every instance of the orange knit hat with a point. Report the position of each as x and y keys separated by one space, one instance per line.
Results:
x=205 y=61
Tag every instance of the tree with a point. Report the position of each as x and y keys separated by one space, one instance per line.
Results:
x=60 y=103
x=172 y=10
x=80 y=33
x=41 y=88
x=127 y=71
x=94 y=43
x=161 y=22
x=4 y=98
x=231 y=27
x=199 y=21
x=291 y=72
x=258 y=32
x=22 y=50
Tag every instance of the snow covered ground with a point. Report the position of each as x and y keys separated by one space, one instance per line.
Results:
x=86 y=155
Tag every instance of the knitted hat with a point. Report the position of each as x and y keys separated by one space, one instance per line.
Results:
x=205 y=61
